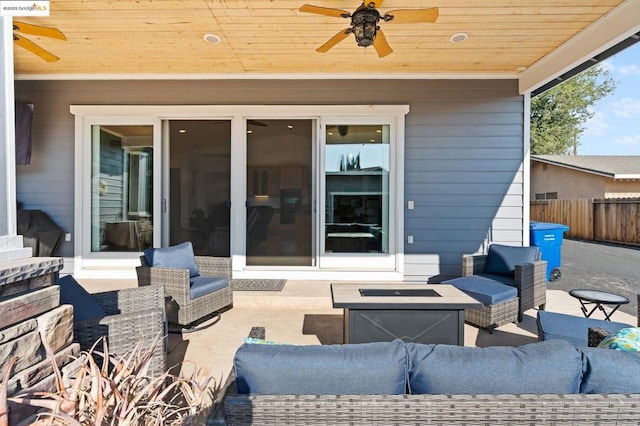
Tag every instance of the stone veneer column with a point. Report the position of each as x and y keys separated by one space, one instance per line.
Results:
x=34 y=327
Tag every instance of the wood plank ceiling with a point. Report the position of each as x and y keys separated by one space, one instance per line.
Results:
x=273 y=36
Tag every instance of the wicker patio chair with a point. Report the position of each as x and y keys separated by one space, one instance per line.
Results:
x=133 y=314
x=181 y=308
x=530 y=282
x=597 y=334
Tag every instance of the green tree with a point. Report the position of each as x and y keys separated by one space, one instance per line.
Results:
x=558 y=116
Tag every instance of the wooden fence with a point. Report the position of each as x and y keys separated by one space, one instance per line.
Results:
x=606 y=220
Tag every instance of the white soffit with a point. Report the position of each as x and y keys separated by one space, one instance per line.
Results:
x=620 y=23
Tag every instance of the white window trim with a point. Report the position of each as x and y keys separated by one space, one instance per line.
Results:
x=238 y=114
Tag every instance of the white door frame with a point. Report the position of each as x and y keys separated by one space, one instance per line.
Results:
x=85 y=115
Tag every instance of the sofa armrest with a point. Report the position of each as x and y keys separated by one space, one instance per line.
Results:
x=214 y=266
x=131 y=300
x=473 y=264
x=530 y=279
x=596 y=335
x=175 y=281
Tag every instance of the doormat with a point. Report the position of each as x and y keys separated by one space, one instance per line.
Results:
x=257 y=285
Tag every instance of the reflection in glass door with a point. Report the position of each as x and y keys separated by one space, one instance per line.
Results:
x=357 y=189
x=200 y=185
x=121 y=188
x=279 y=193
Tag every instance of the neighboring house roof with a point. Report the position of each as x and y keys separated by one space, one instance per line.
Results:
x=613 y=166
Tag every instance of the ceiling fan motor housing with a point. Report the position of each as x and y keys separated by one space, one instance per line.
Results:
x=365 y=24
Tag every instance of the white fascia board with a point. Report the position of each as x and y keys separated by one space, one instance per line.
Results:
x=612 y=28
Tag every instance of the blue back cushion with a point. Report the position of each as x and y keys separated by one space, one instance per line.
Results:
x=610 y=371
x=502 y=260
x=84 y=305
x=571 y=328
x=553 y=367
x=357 y=369
x=176 y=257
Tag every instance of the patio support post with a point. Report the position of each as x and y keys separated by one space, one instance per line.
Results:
x=7 y=131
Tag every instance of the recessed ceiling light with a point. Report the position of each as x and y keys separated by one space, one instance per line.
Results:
x=249 y=132
x=379 y=131
x=182 y=131
x=290 y=126
x=212 y=38
x=458 y=37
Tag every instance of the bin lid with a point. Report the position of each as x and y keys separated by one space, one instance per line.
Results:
x=542 y=226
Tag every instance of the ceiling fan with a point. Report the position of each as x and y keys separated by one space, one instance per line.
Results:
x=38 y=31
x=364 y=23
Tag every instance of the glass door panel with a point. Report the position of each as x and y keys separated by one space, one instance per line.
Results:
x=200 y=185
x=121 y=188
x=356 y=178
x=279 y=193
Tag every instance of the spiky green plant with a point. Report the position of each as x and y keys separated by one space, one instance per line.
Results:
x=113 y=390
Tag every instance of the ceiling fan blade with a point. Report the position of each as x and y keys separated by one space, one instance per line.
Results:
x=382 y=45
x=337 y=13
x=334 y=40
x=34 y=48
x=409 y=16
x=38 y=30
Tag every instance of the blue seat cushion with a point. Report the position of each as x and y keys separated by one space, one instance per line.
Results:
x=571 y=328
x=378 y=368
x=175 y=257
x=503 y=279
x=553 y=367
x=484 y=289
x=84 y=305
x=502 y=260
x=610 y=371
x=199 y=286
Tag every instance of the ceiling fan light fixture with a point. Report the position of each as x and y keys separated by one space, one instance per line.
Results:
x=458 y=37
x=365 y=25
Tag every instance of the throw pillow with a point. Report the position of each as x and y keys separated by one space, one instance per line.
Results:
x=502 y=260
x=627 y=339
x=175 y=257
x=254 y=341
x=84 y=305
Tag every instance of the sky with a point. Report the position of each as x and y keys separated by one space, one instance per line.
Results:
x=615 y=127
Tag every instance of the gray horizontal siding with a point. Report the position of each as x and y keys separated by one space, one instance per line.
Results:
x=463 y=141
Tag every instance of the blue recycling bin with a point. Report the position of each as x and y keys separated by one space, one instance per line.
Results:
x=548 y=238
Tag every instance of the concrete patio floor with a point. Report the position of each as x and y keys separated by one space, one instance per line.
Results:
x=302 y=314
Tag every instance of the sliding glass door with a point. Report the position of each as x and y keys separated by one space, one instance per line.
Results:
x=279 y=225
x=200 y=185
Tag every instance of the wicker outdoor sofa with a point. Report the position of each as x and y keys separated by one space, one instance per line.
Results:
x=490 y=408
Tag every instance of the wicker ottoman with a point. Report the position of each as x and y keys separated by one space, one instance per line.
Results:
x=500 y=301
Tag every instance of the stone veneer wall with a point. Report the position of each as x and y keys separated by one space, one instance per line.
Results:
x=33 y=325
